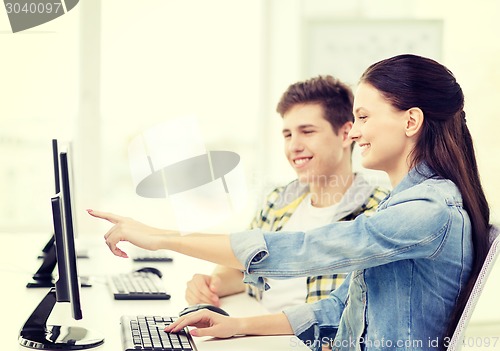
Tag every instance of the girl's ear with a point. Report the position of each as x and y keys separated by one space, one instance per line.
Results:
x=414 y=122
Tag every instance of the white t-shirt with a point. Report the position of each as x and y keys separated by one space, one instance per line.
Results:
x=289 y=292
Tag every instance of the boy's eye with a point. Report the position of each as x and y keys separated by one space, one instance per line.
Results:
x=362 y=117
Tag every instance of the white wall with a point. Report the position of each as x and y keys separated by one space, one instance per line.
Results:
x=183 y=58
x=225 y=61
x=154 y=62
x=39 y=101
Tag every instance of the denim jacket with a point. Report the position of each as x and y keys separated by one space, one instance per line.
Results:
x=408 y=263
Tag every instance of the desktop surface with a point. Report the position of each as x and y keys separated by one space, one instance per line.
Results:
x=101 y=312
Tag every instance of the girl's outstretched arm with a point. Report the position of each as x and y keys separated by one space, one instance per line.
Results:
x=215 y=248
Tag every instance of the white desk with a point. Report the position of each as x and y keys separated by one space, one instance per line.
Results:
x=101 y=312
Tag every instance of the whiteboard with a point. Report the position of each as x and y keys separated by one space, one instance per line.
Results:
x=345 y=48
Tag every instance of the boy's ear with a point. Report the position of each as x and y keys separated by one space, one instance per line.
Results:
x=414 y=121
x=344 y=131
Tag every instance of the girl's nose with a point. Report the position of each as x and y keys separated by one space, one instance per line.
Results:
x=354 y=133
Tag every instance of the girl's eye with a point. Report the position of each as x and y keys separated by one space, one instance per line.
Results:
x=362 y=118
x=308 y=131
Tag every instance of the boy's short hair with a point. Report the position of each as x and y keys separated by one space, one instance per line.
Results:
x=334 y=96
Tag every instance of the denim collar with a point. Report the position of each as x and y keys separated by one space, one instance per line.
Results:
x=415 y=176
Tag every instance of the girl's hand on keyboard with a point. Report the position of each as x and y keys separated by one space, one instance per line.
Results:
x=208 y=323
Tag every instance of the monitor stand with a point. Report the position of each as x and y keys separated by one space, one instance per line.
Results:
x=36 y=334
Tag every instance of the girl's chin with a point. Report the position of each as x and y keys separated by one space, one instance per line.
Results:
x=371 y=165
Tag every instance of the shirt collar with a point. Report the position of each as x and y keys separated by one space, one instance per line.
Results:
x=415 y=176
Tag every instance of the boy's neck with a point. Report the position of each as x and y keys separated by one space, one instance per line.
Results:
x=331 y=189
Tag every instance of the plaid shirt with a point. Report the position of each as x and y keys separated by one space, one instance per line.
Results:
x=280 y=205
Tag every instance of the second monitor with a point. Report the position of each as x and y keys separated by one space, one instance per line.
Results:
x=36 y=333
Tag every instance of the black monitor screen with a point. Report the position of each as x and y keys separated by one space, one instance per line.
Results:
x=55 y=162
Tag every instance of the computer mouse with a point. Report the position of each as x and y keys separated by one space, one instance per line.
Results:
x=151 y=270
x=201 y=306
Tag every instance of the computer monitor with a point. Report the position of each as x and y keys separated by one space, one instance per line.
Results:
x=43 y=277
x=69 y=240
x=35 y=333
x=57 y=187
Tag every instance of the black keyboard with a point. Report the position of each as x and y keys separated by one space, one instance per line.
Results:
x=137 y=286
x=151 y=256
x=147 y=333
